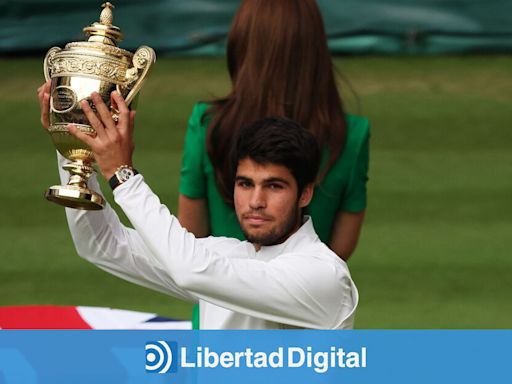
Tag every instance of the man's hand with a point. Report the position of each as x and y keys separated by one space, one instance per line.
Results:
x=43 y=94
x=113 y=144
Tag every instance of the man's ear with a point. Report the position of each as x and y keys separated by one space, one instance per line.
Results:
x=306 y=195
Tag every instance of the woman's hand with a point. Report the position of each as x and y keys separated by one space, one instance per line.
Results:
x=43 y=94
x=112 y=145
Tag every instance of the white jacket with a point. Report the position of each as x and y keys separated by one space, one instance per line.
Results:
x=299 y=283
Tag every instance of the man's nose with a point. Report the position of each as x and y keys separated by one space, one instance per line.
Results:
x=257 y=200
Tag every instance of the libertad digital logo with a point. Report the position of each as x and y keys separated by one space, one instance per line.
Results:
x=162 y=357
x=159 y=356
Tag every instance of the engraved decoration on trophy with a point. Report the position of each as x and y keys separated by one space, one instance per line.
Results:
x=78 y=70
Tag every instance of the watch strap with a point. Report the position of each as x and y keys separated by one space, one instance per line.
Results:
x=115 y=181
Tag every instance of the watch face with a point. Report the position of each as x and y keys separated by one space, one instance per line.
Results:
x=125 y=173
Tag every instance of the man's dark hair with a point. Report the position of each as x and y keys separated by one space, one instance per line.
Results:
x=281 y=141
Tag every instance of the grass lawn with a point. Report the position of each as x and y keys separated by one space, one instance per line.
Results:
x=436 y=247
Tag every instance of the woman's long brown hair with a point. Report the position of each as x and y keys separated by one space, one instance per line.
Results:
x=279 y=65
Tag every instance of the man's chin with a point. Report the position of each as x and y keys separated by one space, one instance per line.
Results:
x=268 y=232
x=254 y=235
x=264 y=238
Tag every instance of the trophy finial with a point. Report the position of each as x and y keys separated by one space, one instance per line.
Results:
x=106 y=16
x=103 y=31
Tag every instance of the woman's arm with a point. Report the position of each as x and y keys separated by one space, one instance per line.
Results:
x=345 y=233
x=349 y=219
x=193 y=215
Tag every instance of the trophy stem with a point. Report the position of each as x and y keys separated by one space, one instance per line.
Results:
x=80 y=172
x=76 y=194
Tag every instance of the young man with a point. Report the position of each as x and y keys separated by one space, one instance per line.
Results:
x=282 y=277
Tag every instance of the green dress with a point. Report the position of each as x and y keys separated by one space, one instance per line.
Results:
x=342 y=189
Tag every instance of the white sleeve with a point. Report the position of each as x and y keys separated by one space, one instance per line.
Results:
x=101 y=238
x=295 y=289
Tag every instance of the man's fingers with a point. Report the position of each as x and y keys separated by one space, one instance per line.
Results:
x=45 y=110
x=45 y=87
x=93 y=119
x=120 y=102
x=80 y=135
x=124 y=112
x=43 y=95
x=103 y=112
x=40 y=93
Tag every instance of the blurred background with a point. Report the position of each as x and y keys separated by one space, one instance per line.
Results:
x=433 y=76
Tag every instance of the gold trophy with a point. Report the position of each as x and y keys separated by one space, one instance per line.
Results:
x=81 y=68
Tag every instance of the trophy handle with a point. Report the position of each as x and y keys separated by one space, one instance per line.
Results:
x=143 y=60
x=48 y=62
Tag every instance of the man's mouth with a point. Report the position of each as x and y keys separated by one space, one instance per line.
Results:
x=255 y=219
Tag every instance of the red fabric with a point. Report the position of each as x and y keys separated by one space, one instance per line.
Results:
x=41 y=317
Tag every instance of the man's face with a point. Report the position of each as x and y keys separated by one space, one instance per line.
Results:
x=267 y=203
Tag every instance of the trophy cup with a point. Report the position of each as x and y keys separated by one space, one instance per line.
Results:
x=81 y=68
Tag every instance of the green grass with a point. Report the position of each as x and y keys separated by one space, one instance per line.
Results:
x=436 y=246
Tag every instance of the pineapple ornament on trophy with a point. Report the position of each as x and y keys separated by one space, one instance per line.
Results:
x=78 y=70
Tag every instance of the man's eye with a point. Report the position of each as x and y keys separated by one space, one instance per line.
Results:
x=275 y=186
x=243 y=184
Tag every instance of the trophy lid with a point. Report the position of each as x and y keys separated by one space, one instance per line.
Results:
x=103 y=31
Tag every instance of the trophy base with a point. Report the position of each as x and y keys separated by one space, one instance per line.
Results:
x=75 y=197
